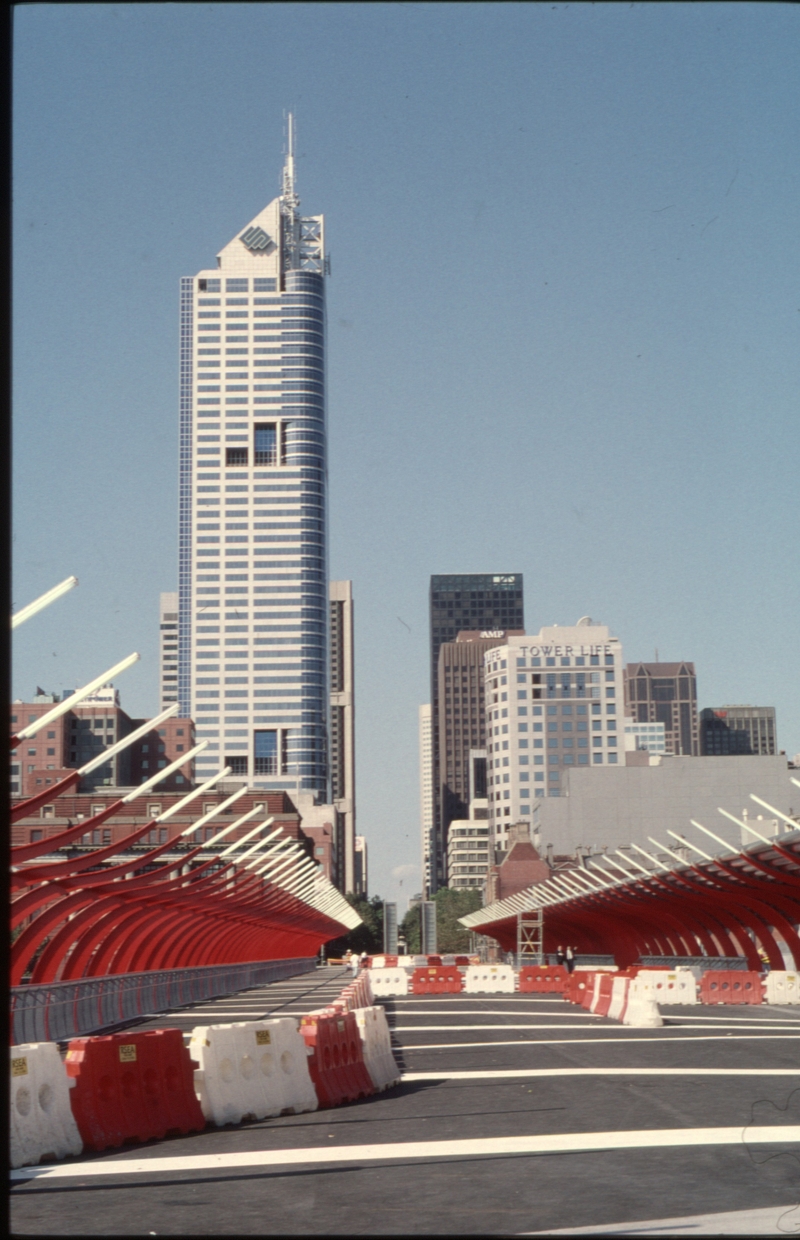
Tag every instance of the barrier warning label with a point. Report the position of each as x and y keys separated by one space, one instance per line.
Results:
x=127 y=1053
x=263 y=1037
x=19 y=1067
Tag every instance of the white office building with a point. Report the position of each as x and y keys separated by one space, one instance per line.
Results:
x=553 y=701
x=168 y=649
x=253 y=608
x=649 y=736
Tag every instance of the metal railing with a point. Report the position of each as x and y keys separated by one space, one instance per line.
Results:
x=62 y=1010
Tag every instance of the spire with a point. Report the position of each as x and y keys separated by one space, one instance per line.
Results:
x=289 y=193
x=290 y=203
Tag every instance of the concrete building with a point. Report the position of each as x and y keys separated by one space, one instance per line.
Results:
x=554 y=701
x=649 y=736
x=738 y=729
x=253 y=579
x=476 y=602
x=610 y=807
x=462 y=719
x=361 y=874
x=168 y=648
x=342 y=726
x=425 y=792
x=82 y=734
x=467 y=853
x=665 y=693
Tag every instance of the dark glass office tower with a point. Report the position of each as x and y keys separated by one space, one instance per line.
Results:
x=482 y=602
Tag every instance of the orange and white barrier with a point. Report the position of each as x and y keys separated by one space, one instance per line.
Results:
x=782 y=987
x=257 y=1068
x=42 y=1123
x=377 y=1047
x=489 y=979
x=388 y=982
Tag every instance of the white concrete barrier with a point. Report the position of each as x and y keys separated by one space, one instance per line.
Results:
x=377 y=1046
x=489 y=979
x=619 y=998
x=251 y=1068
x=642 y=1013
x=782 y=987
x=388 y=982
x=676 y=986
x=42 y=1123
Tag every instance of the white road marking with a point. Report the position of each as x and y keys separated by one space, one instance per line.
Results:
x=480 y=1074
x=480 y=1147
x=591 y=1029
x=594 y=1042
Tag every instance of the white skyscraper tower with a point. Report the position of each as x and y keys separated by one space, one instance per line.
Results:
x=253 y=657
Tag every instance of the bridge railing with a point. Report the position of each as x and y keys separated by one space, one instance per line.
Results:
x=58 y=1011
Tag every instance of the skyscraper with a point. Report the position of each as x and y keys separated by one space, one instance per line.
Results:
x=168 y=648
x=485 y=602
x=343 y=732
x=253 y=608
x=665 y=693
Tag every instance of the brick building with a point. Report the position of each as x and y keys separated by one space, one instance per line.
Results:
x=81 y=734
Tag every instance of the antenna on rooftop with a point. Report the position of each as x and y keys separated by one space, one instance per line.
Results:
x=290 y=203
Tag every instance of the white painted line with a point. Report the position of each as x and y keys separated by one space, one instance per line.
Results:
x=481 y=1074
x=485 y=1012
x=589 y=1031
x=594 y=1042
x=570 y=1142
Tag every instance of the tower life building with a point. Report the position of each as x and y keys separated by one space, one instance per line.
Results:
x=253 y=607
x=665 y=693
x=553 y=701
x=486 y=603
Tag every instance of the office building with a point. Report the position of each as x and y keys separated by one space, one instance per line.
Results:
x=462 y=720
x=342 y=727
x=83 y=733
x=168 y=649
x=253 y=605
x=553 y=701
x=649 y=736
x=738 y=729
x=605 y=808
x=665 y=693
x=425 y=792
x=361 y=876
x=467 y=853
x=477 y=602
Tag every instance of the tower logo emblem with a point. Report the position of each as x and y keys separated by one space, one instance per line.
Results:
x=256 y=240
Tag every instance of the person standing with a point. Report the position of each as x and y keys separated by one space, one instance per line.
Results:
x=569 y=957
x=559 y=955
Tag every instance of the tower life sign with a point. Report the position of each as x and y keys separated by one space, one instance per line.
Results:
x=253 y=606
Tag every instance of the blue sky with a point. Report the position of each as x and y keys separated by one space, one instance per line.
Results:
x=563 y=326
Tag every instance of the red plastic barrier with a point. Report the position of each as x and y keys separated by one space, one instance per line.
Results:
x=462 y=961
x=586 y=994
x=132 y=1087
x=604 y=994
x=541 y=980
x=576 y=987
x=336 y=1065
x=434 y=960
x=437 y=980
x=731 y=986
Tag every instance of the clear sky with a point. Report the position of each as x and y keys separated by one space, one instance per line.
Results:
x=564 y=314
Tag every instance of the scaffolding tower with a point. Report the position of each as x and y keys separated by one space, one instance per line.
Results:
x=530 y=937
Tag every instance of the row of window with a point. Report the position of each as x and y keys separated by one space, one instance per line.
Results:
x=238 y=284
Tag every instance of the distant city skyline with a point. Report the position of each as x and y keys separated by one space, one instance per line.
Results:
x=579 y=392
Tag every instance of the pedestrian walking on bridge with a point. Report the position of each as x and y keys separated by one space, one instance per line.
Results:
x=569 y=957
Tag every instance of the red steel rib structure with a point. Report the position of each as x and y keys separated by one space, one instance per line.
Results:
x=734 y=903
x=187 y=903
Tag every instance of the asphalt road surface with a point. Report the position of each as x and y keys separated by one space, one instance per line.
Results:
x=517 y=1114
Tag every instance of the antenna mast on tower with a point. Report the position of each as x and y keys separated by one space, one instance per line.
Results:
x=290 y=203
